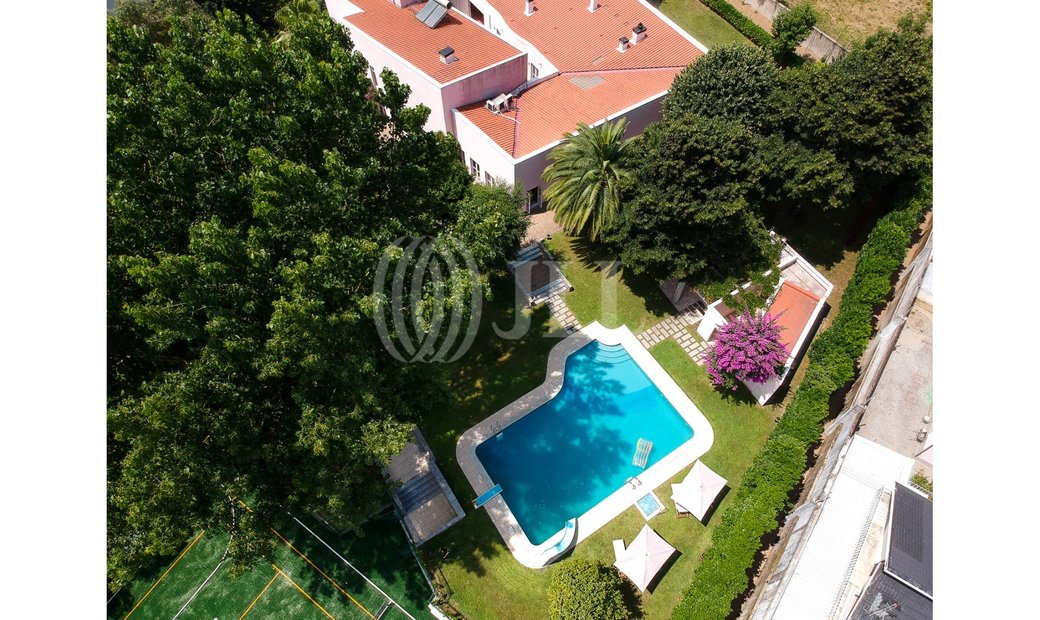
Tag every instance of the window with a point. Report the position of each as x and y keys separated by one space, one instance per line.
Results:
x=534 y=70
x=474 y=168
x=487 y=177
x=533 y=199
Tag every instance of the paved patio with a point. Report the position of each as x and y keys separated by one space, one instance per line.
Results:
x=563 y=315
x=542 y=225
x=677 y=327
x=903 y=397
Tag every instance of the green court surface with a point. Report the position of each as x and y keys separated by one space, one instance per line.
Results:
x=305 y=579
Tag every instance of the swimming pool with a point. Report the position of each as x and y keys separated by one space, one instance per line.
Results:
x=570 y=453
x=563 y=453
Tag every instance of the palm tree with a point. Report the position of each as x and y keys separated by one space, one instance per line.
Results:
x=586 y=176
x=292 y=10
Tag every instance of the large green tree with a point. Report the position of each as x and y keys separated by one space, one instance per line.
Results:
x=587 y=174
x=735 y=82
x=790 y=28
x=253 y=186
x=583 y=590
x=293 y=10
x=693 y=210
x=492 y=223
x=872 y=108
x=153 y=16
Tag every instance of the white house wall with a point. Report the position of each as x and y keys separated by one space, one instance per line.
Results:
x=476 y=145
x=530 y=168
x=424 y=89
x=529 y=171
x=494 y=22
x=641 y=115
x=488 y=84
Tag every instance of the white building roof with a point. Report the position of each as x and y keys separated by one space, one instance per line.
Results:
x=823 y=568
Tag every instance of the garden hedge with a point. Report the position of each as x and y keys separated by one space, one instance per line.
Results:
x=739 y=21
x=765 y=493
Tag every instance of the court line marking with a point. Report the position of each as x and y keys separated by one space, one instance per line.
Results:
x=329 y=579
x=186 y=549
x=273 y=577
x=303 y=592
x=344 y=560
x=196 y=593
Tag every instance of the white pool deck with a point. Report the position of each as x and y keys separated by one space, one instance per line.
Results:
x=537 y=556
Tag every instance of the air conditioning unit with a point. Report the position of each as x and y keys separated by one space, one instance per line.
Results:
x=499 y=104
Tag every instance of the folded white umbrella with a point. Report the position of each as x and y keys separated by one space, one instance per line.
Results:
x=698 y=490
x=644 y=558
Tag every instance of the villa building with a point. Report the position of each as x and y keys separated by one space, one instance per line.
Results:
x=510 y=78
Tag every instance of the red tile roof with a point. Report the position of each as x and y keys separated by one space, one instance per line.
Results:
x=398 y=30
x=575 y=40
x=795 y=306
x=551 y=109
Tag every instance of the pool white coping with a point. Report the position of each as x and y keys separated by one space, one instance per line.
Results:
x=537 y=556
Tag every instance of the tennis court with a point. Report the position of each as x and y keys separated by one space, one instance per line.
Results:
x=308 y=577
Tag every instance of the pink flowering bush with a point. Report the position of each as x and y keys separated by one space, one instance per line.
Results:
x=746 y=349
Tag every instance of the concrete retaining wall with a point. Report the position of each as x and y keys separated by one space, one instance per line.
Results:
x=819 y=44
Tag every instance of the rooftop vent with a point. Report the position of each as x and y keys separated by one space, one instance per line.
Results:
x=499 y=104
x=448 y=55
x=638 y=33
x=622 y=44
x=592 y=6
x=528 y=7
x=433 y=12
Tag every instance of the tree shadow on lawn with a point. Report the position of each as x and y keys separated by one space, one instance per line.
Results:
x=631 y=595
x=469 y=543
x=741 y=396
x=493 y=373
x=822 y=237
x=646 y=288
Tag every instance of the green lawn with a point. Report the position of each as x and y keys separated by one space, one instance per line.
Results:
x=701 y=22
x=496 y=372
x=613 y=297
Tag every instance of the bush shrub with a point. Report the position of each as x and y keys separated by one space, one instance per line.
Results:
x=765 y=492
x=738 y=20
x=583 y=590
x=790 y=28
x=746 y=349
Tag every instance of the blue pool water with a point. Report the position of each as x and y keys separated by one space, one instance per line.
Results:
x=570 y=453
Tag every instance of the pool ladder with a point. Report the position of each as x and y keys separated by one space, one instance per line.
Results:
x=634 y=482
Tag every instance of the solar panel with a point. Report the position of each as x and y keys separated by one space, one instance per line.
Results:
x=426 y=10
x=438 y=13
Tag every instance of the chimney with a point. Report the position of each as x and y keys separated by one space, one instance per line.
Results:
x=592 y=6
x=448 y=55
x=622 y=44
x=638 y=33
x=528 y=7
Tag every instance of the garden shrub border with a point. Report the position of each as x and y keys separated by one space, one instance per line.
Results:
x=758 y=35
x=767 y=491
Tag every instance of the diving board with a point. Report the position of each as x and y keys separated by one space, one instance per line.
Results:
x=643 y=447
x=487 y=495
